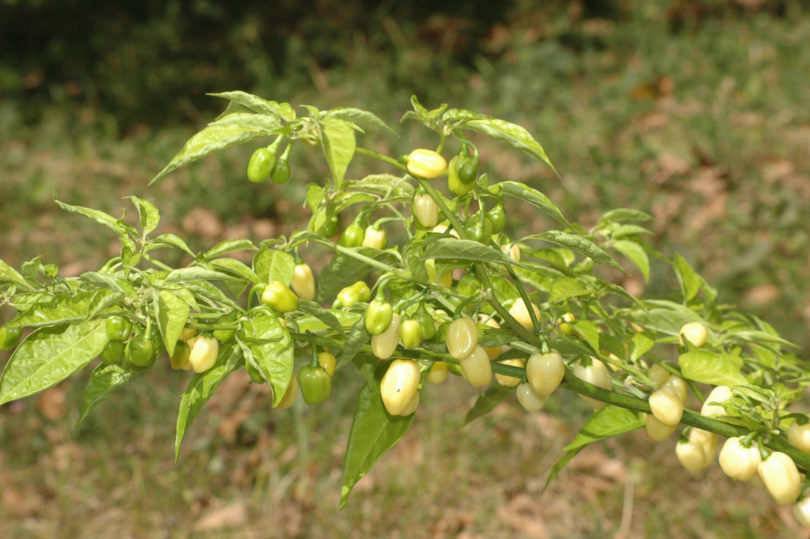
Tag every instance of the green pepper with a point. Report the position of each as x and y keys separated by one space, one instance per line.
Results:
x=410 y=333
x=315 y=384
x=468 y=285
x=140 y=351
x=113 y=353
x=427 y=323
x=478 y=228
x=353 y=236
x=454 y=183
x=9 y=337
x=497 y=217
x=467 y=166
x=261 y=164
x=378 y=316
x=352 y=294
x=330 y=226
x=278 y=296
x=118 y=328
x=179 y=359
x=281 y=172
x=225 y=335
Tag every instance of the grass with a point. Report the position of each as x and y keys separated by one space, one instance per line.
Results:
x=705 y=127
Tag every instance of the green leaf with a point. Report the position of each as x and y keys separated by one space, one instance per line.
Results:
x=358 y=116
x=579 y=244
x=314 y=196
x=106 y=281
x=103 y=381
x=487 y=401
x=338 y=142
x=665 y=317
x=269 y=344
x=711 y=368
x=172 y=240
x=609 y=421
x=217 y=137
x=535 y=198
x=455 y=249
x=636 y=254
x=513 y=134
x=257 y=104
x=116 y=225
x=196 y=273
x=274 y=265
x=605 y=423
x=199 y=390
x=690 y=281
x=61 y=310
x=566 y=287
x=641 y=345
x=357 y=338
x=236 y=268
x=314 y=309
x=172 y=314
x=229 y=246
x=373 y=433
x=340 y=273
x=587 y=331
x=148 y=214
x=620 y=215
x=7 y=273
x=49 y=355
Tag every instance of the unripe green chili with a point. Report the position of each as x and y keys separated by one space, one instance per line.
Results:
x=281 y=171
x=378 y=316
x=352 y=294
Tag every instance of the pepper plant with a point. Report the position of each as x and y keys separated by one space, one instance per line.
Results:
x=422 y=285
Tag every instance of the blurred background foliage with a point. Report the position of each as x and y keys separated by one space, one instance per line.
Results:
x=695 y=111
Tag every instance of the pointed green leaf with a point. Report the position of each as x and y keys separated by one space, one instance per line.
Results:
x=567 y=287
x=535 y=198
x=61 y=310
x=7 y=273
x=274 y=265
x=579 y=244
x=118 y=226
x=373 y=433
x=235 y=268
x=620 y=215
x=172 y=314
x=690 y=281
x=229 y=246
x=104 y=380
x=587 y=331
x=200 y=388
x=605 y=423
x=270 y=346
x=217 y=137
x=148 y=213
x=513 y=134
x=173 y=240
x=452 y=249
x=358 y=116
x=636 y=254
x=338 y=142
x=257 y=104
x=487 y=401
x=197 y=273
x=711 y=368
x=49 y=355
